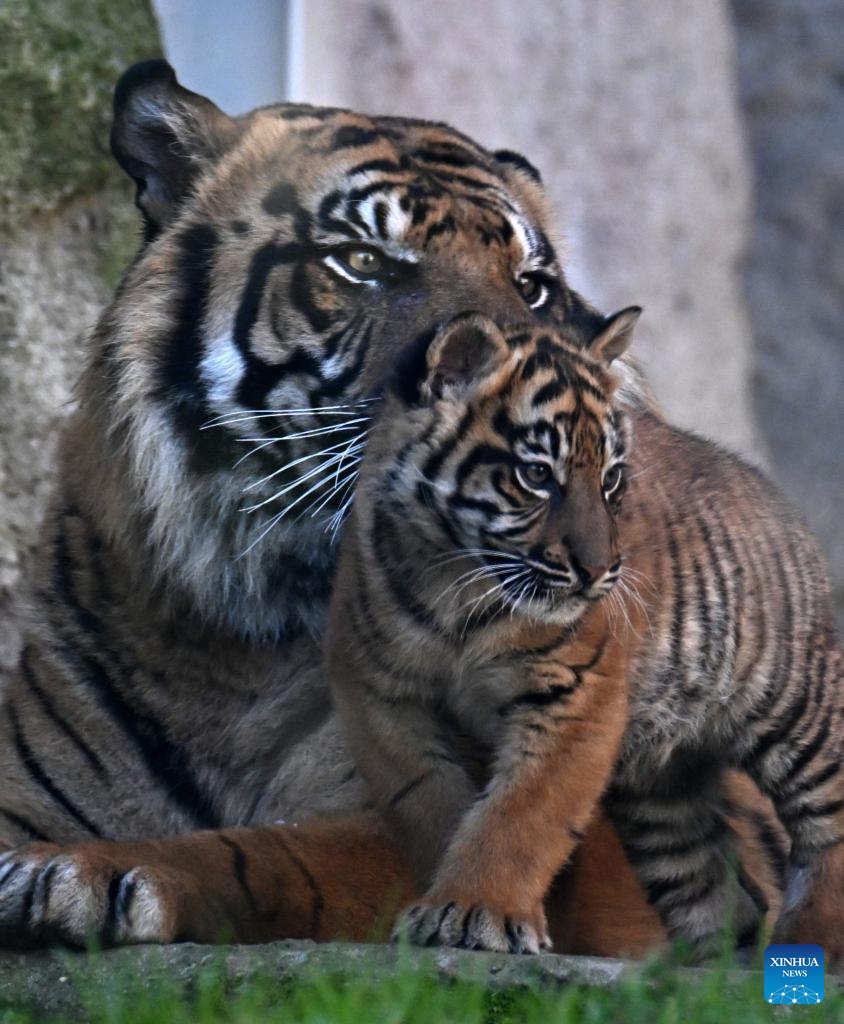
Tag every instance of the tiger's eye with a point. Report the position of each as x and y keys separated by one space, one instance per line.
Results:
x=536 y=473
x=533 y=290
x=364 y=262
x=612 y=480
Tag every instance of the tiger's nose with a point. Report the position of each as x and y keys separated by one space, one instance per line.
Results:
x=554 y=554
x=590 y=573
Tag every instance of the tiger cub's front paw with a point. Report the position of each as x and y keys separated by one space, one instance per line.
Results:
x=472 y=927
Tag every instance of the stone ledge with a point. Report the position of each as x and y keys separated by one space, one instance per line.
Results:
x=45 y=982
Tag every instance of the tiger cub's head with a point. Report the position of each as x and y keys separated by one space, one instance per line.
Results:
x=508 y=446
x=288 y=255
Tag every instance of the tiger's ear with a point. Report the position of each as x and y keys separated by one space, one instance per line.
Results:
x=615 y=335
x=164 y=136
x=462 y=355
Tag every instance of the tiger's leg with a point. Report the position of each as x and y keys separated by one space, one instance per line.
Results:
x=797 y=761
x=324 y=879
x=556 y=758
x=685 y=855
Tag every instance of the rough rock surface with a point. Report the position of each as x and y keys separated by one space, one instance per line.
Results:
x=48 y=983
x=792 y=91
x=66 y=228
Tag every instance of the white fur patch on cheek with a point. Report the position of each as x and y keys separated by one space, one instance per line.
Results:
x=221 y=370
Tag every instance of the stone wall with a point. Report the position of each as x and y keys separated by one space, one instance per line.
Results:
x=67 y=228
x=791 y=64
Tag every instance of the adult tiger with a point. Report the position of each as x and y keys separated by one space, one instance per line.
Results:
x=171 y=677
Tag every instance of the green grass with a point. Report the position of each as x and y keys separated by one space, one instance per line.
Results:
x=661 y=995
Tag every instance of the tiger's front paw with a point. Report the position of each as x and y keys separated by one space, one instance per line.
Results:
x=472 y=927
x=74 y=896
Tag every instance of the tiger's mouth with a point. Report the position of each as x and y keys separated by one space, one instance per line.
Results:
x=544 y=591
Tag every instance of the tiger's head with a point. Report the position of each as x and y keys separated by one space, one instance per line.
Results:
x=288 y=255
x=505 y=451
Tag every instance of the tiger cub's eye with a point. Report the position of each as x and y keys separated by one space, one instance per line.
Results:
x=612 y=480
x=364 y=262
x=533 y=290
x=536 y=473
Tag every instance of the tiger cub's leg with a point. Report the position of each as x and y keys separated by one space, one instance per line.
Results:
x=796 y=759
x=686 y=857
x=325 y=879
x=560 y=744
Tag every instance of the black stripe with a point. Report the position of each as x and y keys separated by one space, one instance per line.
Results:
x=467 y=923
x=165 y=761
x=109 y=925
x=806 y=755
x=387 y=546
x=708 y=642
x=295 y=111
x=550 y=391
x=452 y=178
x=125 y=899
x=782 y=669
x=731 y=603
x=179 y=382
x=512 y=937
x=406 y=790
x=481 y=455
x=445 y=910
x=679 y=847
x=714 y=632
x=435 y=461
x=41 y=778
x=793 y=816
x=24 y=826
x=382 y=213
x=350 y=135
x=240 y=865
x=538 y=698
x=452 y=156
x=772 y=843
x=813 y=781
x=673 y=677
x=43 y=888
x=253 y=387
x=672 y=901
x=63 y=726
x=384 y=166
x=310 y=881
x=443 y=226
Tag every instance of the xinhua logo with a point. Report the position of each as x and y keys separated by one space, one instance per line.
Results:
x=794 y=974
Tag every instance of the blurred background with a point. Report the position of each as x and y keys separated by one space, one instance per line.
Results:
x=693 y=154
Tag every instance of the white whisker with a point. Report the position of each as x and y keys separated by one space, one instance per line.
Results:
x=296 y=462
x=318 y=471
x=332 y=428
x=335 y=489
x=227 y=419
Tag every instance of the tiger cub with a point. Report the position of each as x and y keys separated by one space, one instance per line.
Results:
x=543 y=597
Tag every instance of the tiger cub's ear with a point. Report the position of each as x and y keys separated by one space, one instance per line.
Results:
x=462 y=355
x=164 y=136
x=614 y=337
